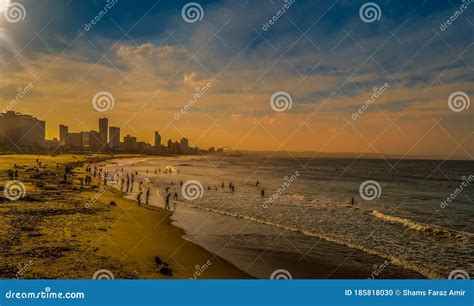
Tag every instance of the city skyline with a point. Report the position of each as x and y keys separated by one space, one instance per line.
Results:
x=382 y=87
x=19 y=131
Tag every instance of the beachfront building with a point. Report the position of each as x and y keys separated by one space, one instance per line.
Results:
x=103 y=130
x=184 y=145
x=75 y=140
x=63 y=133
x=19 y=131
x=130 y=143
x=114 y=137
x=96 y=143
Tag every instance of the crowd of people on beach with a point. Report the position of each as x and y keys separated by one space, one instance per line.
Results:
x=126 y=182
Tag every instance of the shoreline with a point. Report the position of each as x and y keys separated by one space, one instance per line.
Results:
x=250 y=259
x=50 y=234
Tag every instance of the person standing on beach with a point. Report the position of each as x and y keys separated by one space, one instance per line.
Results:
x=147 y=195
x=222 y=184
x=167 y=205
x=139 y=196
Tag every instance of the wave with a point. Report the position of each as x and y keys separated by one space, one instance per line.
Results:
x=425 y=271
x=430 y=229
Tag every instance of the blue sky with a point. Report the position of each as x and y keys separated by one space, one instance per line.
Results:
x=320 y=52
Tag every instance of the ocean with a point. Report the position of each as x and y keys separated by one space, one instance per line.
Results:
x=416 y=214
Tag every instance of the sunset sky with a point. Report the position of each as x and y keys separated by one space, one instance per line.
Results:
x=321 y=53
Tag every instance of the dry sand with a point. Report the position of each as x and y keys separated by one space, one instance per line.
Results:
x=53 y=233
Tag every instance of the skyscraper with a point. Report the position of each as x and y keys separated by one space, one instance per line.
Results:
x=183 y=145
x=103 y=130
x=18 y=130
x=63 y=132
x=114 y=137
x=157 y=140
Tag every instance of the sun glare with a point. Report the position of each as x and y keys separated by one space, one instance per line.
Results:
x=4 y=4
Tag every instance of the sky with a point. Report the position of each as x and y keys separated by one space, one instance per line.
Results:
x=323 y=76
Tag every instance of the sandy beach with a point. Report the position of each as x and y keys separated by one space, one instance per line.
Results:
x=54 y=232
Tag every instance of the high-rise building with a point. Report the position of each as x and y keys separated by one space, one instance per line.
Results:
x=157 y=140
x=18 y=130
x=114 y=137
x=183 y=145
x=95 y=141
x=63 y=132
x=130 y=143
x=103 y=130
x=75 y=140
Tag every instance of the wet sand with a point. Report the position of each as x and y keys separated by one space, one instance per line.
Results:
x=235 y=242
x=51 y=233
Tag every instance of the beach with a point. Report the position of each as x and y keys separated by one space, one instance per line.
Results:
x=55 y=231
x=62 y=228
x=310 y=229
